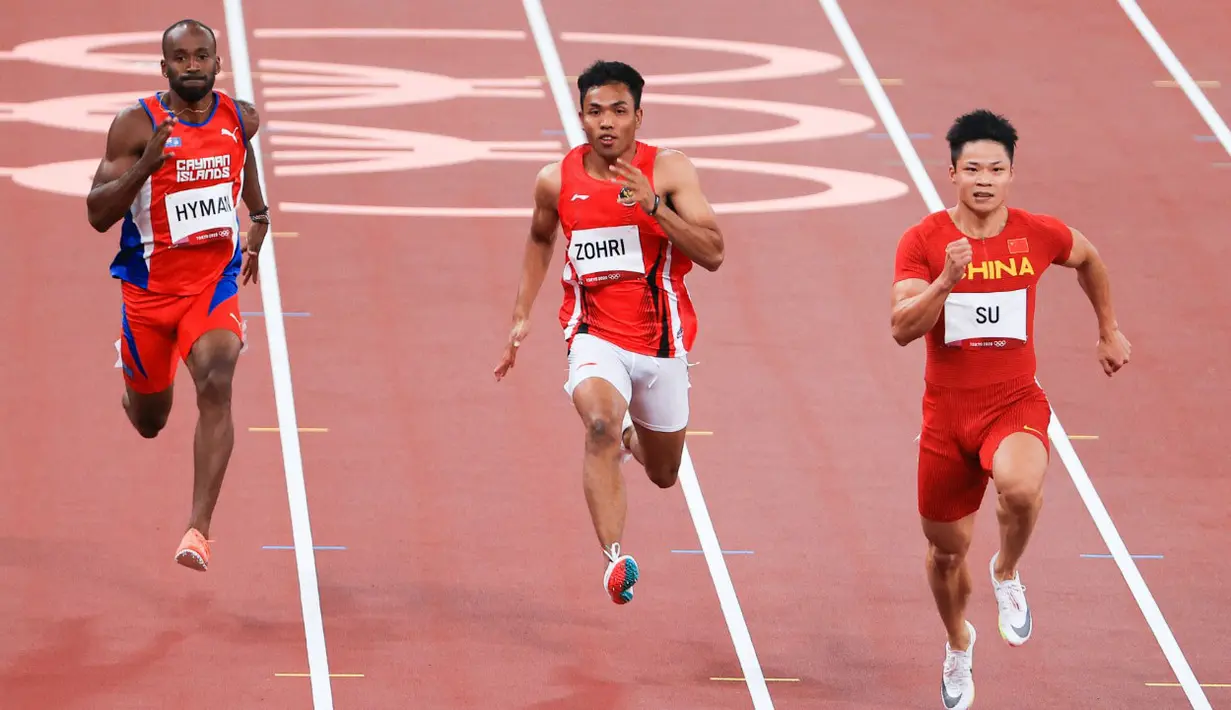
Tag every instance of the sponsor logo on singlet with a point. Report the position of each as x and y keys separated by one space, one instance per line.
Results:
x=201 y=213
x=985 y=320
x=606 y=253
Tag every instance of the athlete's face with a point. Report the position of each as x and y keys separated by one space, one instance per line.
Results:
x=982 y=176
x=609 y=119
x=190 y=62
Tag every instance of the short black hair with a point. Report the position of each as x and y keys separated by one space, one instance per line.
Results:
x=601 y=73
x=981 y=125
x=166 y=34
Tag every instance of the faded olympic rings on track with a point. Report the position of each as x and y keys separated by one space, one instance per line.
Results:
x=315 y=149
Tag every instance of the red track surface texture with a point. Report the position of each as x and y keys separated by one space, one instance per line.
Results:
x=470 y=577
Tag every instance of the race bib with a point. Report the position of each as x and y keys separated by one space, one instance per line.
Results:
x=995 y=319
x=606 y=254
x=201 y=214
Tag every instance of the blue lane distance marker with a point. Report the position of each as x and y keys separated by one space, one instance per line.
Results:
x=292 y=547
x=553 y=132
x=725 y=552
x=1204 y=139
x=1135 y=557
x=288 y=314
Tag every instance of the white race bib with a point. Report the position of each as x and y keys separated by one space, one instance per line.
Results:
x=996 y=316
x=200 y=214
x=606 y=253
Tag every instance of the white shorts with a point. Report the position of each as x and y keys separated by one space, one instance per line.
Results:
x=655 y=388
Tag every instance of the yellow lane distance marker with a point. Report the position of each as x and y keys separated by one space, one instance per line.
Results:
x=856 y=82
x=698 y=433
x=1177 y=685
x=305 y=429
x=307 y=675
x=1171 y=84
x=1083 y=437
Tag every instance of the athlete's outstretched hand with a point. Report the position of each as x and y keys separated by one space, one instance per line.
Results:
x=252 y=251
x=153 y=157
x=957 y=256
x=1113 y=352
x=636 y=184
x=521 y=328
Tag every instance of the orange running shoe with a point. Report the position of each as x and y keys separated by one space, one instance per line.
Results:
x=194 y=551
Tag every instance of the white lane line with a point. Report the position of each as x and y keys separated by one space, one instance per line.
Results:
x=1181 y=75
x=284 y=398
x=706 y=534
x=1060 y=439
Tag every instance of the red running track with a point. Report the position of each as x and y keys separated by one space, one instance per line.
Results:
x=470 y=576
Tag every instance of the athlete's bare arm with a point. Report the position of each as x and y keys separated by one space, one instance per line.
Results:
x=253 y=199
x=540 y=244
x=134 y=151
x=1113 y=347
x=917 y=304
x=689 y=221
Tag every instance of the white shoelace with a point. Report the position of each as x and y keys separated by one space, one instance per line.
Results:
x=957 y=668
x=1012 y=595
x=613 y=554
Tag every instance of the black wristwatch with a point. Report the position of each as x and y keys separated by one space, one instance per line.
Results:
x=655 y=207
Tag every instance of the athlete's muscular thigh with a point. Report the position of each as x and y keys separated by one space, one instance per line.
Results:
x=1016 y=450
x=659 y=410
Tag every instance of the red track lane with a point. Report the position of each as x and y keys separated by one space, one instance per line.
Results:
x=96 y=614
x=868 y=634
x=472 y=578
x=1110 y=173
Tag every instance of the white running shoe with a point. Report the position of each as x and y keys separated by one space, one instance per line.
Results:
x=957 y=683
x=1015 y=619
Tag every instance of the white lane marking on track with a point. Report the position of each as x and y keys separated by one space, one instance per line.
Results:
x=284 y=398
x=1181 y=75
x=1060 y=439
x=736 y=624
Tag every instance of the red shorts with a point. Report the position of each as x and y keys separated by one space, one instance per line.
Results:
x=157 y=330
x=962 y=428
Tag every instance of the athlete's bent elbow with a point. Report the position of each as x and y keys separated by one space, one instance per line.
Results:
x=713 y=263
x=98 y=221
x=903 y=336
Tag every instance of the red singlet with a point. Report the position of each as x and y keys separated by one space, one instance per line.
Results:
x=985 y=333
x=623 y=279
x=182 y=232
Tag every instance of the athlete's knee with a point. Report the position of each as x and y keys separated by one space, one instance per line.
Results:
x=148 y=416
x=1022 y=495
x=664 y=474
x=947 y=559
x=213 y=382
x=150 y=425
x=602 y=432
x=948 y=543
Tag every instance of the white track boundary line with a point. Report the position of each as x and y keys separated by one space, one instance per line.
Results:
x=1060 y=439
x=288 y=427
x=753 y=675
x=1178 y=72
